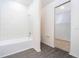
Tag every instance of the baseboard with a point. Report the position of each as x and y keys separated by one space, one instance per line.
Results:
x=48 y=44
x=37 y=50
x=76 y=56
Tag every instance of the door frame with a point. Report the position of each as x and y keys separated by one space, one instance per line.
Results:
x=55 y=22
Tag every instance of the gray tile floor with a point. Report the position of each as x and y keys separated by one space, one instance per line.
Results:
x=47 y=52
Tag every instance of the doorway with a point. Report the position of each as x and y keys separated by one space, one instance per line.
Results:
x=63 y=26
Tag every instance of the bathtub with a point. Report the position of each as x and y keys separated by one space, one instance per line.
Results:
x=8 y=47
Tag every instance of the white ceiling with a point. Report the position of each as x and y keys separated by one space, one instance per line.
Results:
x=46 y=2
x=24 y=2
x=28 y=2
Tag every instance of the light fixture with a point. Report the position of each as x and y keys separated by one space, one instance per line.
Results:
x=62 y=7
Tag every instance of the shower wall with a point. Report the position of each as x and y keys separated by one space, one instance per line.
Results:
x=14 y=21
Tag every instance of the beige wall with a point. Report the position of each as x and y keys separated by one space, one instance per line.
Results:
x=48 y=25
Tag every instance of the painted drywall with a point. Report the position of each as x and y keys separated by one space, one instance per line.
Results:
x=35 y=13
x=48 y=25
x=75 y=28
x=14 y=22
x=48 y=22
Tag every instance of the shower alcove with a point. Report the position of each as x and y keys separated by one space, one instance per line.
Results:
x=17 y=27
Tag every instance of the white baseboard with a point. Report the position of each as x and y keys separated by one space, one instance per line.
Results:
x=49 y=44
x=37 y=50
x=73 y=54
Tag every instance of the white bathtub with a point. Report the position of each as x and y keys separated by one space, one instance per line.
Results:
x=8 y=47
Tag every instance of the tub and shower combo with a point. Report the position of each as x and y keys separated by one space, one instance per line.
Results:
x=8 y=47
x=15 y=27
